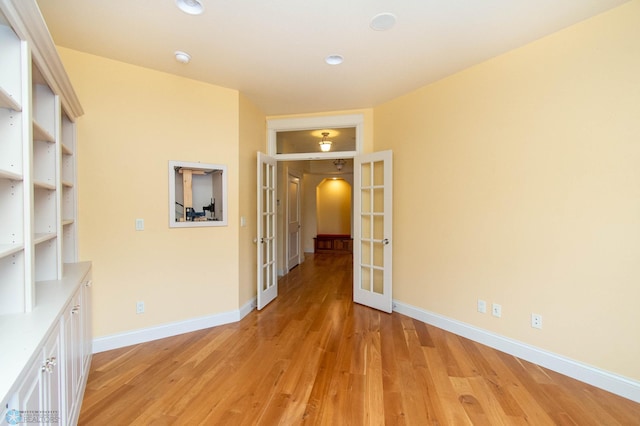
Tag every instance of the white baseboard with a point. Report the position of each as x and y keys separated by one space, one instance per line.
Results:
x=134 y=337
x=248 y=307
x=613 y=383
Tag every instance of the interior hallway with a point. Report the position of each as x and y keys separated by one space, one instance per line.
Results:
x=314 y=357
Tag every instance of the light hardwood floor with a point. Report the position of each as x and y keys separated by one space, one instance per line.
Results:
x=314 y=357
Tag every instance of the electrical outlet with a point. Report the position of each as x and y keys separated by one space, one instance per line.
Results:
x=536 y=321
x=139 y=307
x=139 y=224
x=496 y=310
x=482 y=306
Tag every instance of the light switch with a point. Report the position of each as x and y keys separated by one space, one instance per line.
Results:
x=243 y=221
x=139 y=224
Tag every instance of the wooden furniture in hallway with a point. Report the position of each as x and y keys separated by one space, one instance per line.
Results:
x=331 y=243
x=314 y=357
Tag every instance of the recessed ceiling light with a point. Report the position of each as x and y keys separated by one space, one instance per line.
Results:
x=192 y=7
x=382 y=21
x=182 y=57
x=334 y=59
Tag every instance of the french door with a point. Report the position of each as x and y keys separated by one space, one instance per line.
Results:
x=372 y=251
x=266 y=241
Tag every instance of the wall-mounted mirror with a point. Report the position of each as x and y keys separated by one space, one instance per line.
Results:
x=197 y=194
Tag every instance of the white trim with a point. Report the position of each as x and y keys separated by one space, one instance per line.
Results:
x=26 y=20
x=619 y=385
x=248 y=307
x=135 y=337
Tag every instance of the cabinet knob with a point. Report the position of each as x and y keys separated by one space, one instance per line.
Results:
x=48 y=365
x=88 y=283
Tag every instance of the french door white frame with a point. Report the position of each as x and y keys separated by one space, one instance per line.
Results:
x=312 y=123
x=267 y=278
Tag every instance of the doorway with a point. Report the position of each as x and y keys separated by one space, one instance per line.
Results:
x=311 y=175
x=372 y=254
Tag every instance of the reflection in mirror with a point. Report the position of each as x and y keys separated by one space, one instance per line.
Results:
x=308 y=141
x=197 y=194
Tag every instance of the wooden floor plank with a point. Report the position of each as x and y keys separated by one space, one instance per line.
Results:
x=314 y=357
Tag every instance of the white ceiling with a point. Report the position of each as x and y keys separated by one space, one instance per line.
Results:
x=273 y=50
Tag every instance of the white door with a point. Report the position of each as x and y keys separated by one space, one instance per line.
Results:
x=372 y=234
x=293 y=221
x=267 y=214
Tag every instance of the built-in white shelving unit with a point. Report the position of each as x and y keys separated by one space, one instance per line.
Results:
x=38 y=219
x=42 y=287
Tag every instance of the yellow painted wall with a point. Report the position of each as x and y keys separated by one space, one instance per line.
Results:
x=333 y=207
x=253 y=137
x=518 y=181
x=135 y=121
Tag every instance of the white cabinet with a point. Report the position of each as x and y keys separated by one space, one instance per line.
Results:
x=38 y=109
x=45 y=319
x=39 y=397
x=76 y=331
x=50 y=365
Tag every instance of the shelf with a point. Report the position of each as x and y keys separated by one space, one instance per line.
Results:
x=42 y=237
x=7 y=101
x=66 y=150
x=67 y=184
x=44 y=185
x=5 y=174
x=66 y=222
x=40 y=134
x=9 y=249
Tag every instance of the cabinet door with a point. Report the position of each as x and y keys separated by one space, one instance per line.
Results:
x=39 y=397
x=72 y=341
x=51 y=369
x=87 y=331
x=29 y=398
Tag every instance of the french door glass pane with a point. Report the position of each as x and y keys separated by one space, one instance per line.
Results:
x=365 y=282
x=378 y=281
x=365 y=204
x=378 y=255
x=365 y=175
x=378 y=173
x=365 y=226
x=378 y=200
x=378 y=227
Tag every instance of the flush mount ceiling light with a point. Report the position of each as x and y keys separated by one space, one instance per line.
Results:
x=192 y=7
x=182 y=57
x=334 y=59
x=382 y=21
x=325 y=145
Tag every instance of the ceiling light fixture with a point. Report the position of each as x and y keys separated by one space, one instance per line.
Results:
x=382 y=21
x=339 y=163
x=325 y=145
x=192 y=7
x=182 y=57
x=334 y=59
